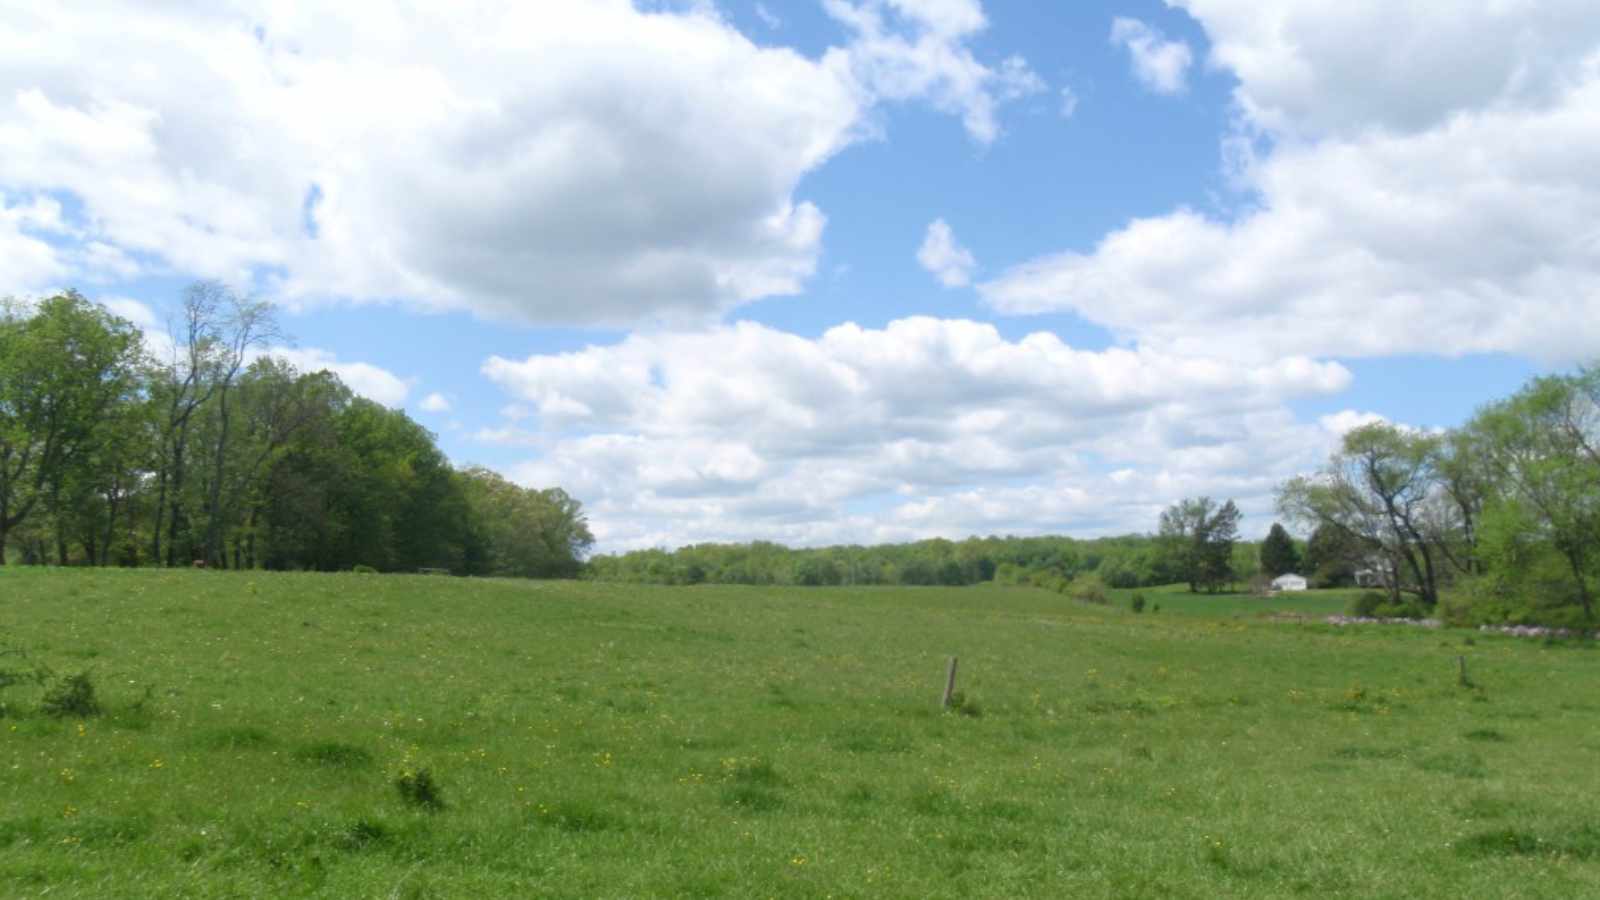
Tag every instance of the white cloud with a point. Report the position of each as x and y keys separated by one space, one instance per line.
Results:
x=579 y=162
x=1462 y=225
x=1347 y=420
x=370 y=381
x=949 y=262
x=435 y=403
x=1069 y=102
x=926 y=426
x=915 y=49
x=1160 y=65
x=768 y=17
x=1346 y=67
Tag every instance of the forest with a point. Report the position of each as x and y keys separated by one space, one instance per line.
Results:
x=202 y=449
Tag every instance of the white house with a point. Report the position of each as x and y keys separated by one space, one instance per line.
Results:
x=1289 y=582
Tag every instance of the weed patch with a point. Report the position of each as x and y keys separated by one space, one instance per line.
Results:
x=577 y=818
x=418 y=788
x=71 y=696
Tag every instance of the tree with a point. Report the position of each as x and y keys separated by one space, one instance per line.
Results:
x=247 y=325
x=1331 y=557
x=1544 y=445
x=1381 y=491
x=529 y=532
x=64 y=367
x=1197 y=536
x=1278 y=553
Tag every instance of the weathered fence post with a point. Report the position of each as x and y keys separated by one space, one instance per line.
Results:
x=949 y=684
x=1461 y=672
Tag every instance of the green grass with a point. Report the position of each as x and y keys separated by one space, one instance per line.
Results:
x=590 y=740
x=1177 y=600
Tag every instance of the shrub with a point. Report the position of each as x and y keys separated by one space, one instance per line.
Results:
x=1136 y=603
x=1366 y=605
x=363 y=569
x=71 y=695
x=1088 y=588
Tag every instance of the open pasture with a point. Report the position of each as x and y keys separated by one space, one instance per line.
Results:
x=592 y=740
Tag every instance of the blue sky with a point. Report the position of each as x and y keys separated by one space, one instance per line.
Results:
x=846 y=270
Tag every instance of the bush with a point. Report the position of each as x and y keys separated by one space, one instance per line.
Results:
x=1490 y=600
x=362 y=569
x=1088 y=588
x=1366 y=606
x=1136 y=603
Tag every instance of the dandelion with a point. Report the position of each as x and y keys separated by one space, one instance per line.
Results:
x=156 y=763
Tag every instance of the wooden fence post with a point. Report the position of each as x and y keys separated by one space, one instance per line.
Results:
x=949 y=684
x=1461 y=672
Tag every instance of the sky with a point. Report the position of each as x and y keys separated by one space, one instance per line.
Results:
x=841 y=271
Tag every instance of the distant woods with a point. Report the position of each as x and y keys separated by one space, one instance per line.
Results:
x=206 y=450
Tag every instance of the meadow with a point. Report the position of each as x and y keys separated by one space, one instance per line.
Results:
x=594 y=740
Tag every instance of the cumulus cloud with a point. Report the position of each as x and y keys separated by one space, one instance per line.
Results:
x=746 y=431
x=949 y=262
x=1376 y=223
x=916 y=49
x=1160 y=65
x=581 y=162
x=435 y=403
x=373 y=382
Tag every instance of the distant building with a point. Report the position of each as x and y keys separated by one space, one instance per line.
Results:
x=1375 y=573
x=1289 y=582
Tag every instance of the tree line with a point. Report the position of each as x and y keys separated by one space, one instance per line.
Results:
x=208 y=450
x=1124 y=561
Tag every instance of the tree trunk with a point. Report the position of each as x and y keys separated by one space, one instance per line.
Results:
x=213 y=548
x=161 y=514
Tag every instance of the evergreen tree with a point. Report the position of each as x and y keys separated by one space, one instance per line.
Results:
x=1278 y=554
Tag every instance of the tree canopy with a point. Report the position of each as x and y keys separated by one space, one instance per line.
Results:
x=218 y=454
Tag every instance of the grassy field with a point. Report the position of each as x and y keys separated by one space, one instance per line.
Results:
x=593 y=740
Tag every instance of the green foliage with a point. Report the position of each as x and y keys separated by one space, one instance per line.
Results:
x=1367 y=604
x=363 y=569
x=1198 y=535
x=1278 y=554
x=526 y=532
x=1331 y=557
x=1136 y=603
x=1045 y=562
x=213 y=456
x=1088 y=588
